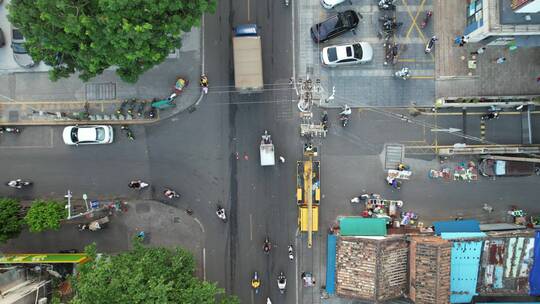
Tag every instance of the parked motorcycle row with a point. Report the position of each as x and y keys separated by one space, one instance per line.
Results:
x=135 y=109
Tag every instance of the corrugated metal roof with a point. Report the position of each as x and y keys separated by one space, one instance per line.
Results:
x=359 y=226
x=464 y=265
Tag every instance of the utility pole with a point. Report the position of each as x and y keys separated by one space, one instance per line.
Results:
x=68 y=206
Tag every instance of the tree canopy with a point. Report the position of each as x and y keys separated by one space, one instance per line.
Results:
x=10 y=219
x=143 y=275
x=90 y=36
x=45 y=215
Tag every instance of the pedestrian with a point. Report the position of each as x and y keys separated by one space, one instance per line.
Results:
x=538 y=79
x=460 y=41
x=500 y=60
x=479 y=51
x=282 y=159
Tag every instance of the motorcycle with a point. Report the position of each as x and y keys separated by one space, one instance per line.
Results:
x=221 y=213
x=137 y=184
x=403 y=73
x=426 y=19
x=281 y=282
x=256 y=282
x=344 y=115
x=291 y=253
x=431 y=44
x=140 y=109
x=387 y=5
x=362 y=198
x=120 y=109
x=490 y=116
x=267 y=246
x=391 y=53
x=13 y=130
x=170 y=194
x=18 y=183
x=129 y=133
x=324 y=120
x=204 y=83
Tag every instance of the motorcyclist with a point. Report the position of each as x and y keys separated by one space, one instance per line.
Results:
x=291 y=252
x=282 y=282
x=170 y=193
x=15 y=183
x=135 y=184
x=221 y=213
x=346 y=111
x=255 y=282
x=267 y=246
x=204 y=83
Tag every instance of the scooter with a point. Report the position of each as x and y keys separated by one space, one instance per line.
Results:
x=221 y=213
x=140 y=108
x=324 y=120
x=129 y=133
x=286 y=3
x=204 y=83
x=344 y=115
x=255 y=282
x=281 y=282
x=490 y=116
x=403 y=73
x=291 y=253
x=267 y=246
x=387 y=5
x=18 y=183
x=431 y=44
x=358 y=199
x=426 y=19
x=13 y=130
x=137 y=184
x=170 y=194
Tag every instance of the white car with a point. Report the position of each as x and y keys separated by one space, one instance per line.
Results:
x=87 y=135
x=336 y=55
x=330 y=4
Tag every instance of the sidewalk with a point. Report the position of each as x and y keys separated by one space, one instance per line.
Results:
x=32 y=99
x=459 y=73
x=164 y=226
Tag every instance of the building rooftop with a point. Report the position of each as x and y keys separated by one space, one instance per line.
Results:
x=508 y=16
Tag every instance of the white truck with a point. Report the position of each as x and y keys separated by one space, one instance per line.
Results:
x=267 y=150
x=248 y=72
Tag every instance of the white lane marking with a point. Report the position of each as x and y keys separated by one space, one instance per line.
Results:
x=293 y=47
x=296 y=263
x=250 y=227
x=204 y=263
x=200 y=224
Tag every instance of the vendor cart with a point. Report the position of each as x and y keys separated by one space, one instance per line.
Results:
x=267 y=150
x=399 y=174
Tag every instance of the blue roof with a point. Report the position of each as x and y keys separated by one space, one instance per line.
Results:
x=461 y=235
x=457 y=226
x=534 y=275
x=331 y=265
x=464 y=266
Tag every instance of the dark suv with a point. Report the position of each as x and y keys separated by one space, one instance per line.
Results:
x=334 y=26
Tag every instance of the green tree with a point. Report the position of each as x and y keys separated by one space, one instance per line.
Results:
x=45 y=215
x=89 y=36
x=144 y=275
x=10 y=219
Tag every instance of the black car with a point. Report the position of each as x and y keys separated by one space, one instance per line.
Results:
x=334 y=26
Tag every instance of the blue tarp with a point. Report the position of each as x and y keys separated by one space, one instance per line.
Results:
x=464 y=266
x=457 y=226
x=331 y=265
x=534 y=276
